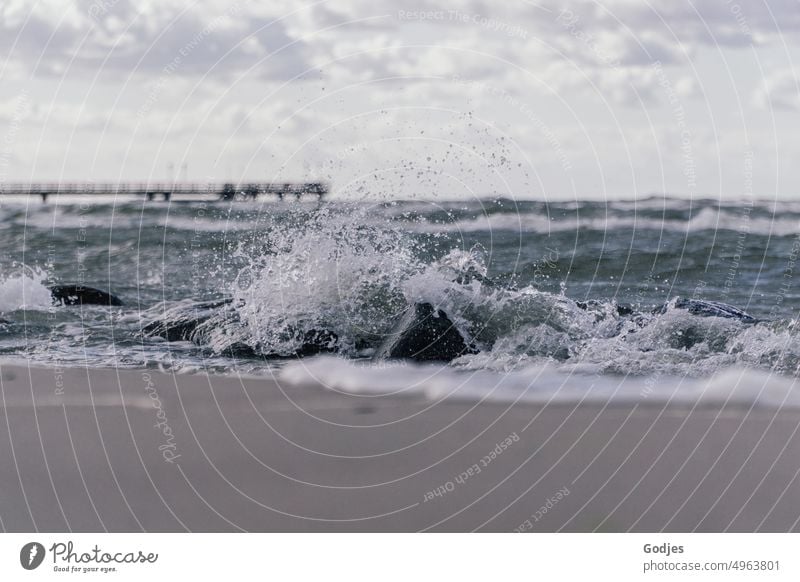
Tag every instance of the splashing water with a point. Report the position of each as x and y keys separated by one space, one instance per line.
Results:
x=331 y=272
x=338 y=272
x=24 y=290
x=351 y=269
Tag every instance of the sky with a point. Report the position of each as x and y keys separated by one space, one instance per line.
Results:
x=409 y=99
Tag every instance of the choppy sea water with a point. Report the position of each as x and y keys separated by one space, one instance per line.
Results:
x=353 y=267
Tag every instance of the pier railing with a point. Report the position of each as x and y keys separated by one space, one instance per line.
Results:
x=166 y=190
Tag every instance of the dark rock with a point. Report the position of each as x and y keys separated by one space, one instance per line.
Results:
x=215 y=323
x=705 y=308
x=318 y=341
x=625 y=310
x=239 y=350
x=181 y=322
x=82 y=295
x=593 y=304
x=686 y=339
x=425 y=334
x=700 y=307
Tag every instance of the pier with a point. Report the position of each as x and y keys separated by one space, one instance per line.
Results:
x=169 y=190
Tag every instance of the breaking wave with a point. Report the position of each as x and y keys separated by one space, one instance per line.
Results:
x=344 y=273
x=330 y=272
x=24 y=289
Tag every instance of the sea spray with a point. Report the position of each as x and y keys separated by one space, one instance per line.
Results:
x=352 y=268
x=24 y=289
x=322 y=270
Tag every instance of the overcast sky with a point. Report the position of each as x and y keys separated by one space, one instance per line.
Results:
x=609 y=99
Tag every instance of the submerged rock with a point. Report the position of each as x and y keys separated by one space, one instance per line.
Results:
x=180 y=323
x=216 y=325
x=318 y=341
x=82 y=295
x=422 y=333
x=699 y=307
x=594 y=305
x=425 y=334
x=706 y=308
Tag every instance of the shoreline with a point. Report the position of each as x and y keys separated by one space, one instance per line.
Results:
x=142 y=450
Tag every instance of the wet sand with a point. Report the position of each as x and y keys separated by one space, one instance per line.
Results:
x=132 y=450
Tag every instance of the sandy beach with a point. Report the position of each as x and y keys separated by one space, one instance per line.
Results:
x=133 y=450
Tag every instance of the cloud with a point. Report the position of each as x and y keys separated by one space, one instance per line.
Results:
x=571 y=82
x=125 y=37
x=225 y=39
x=715 y=22
x=780 y=90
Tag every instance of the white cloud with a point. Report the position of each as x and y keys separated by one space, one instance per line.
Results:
x=209 y=81
x=131 y=37
x=780 y=90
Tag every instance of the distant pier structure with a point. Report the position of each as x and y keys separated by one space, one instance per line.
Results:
x=169 y=190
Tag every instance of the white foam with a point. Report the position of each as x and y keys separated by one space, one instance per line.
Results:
x=331 y=272
x=541 y=384
x=24 y=291
x=540 y=223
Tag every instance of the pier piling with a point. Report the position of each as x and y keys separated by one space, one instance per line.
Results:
x=168 y=191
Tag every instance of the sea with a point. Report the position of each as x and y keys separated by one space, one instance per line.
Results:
x=564 y=300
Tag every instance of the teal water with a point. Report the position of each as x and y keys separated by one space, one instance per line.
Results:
x=353 y=266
